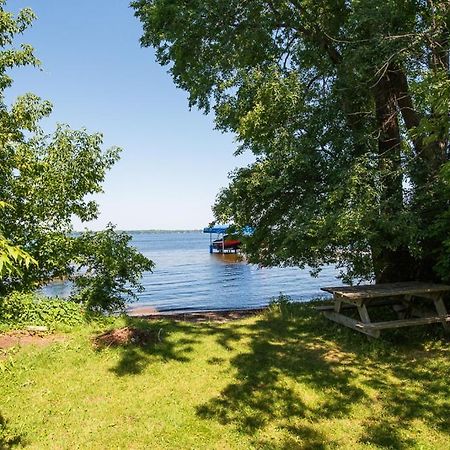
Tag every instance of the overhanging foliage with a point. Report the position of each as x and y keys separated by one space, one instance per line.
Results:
x=344 y=104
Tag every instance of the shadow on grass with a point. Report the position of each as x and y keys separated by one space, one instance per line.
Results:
x=300 y=371
x=296 y=345
x=8 y=437
x=385 y=434
x=135 y=357
x=283 y=352
x=172 y=341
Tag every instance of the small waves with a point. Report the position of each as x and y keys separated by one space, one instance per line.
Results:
x=188 y=278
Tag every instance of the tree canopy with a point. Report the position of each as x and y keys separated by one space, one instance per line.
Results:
x=46 y=180
x=345 y=105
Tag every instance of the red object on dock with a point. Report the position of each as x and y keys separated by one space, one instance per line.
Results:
x=226 y=244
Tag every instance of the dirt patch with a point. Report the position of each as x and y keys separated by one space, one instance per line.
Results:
x=21 y=338
x=126 y=336
x=206 y=316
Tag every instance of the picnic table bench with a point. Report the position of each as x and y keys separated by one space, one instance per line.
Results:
x=398 y=295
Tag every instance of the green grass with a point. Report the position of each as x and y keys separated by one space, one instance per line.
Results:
x=286 y=379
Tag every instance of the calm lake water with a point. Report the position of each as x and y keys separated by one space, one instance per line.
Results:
x=188 y=278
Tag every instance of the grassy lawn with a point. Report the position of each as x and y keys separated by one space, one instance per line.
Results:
x=283 y=380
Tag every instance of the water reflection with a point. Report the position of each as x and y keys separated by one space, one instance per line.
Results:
x=228 y=258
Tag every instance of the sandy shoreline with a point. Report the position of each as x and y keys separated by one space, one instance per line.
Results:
x=150 y=313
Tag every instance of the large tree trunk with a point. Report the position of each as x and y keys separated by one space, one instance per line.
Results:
x=396 y=264
x=391 y=264
x=393 y=98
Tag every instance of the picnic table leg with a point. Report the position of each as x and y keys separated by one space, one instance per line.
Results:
x=364 y=314
x=337 y=317
x=442 y=311
x=337 y=304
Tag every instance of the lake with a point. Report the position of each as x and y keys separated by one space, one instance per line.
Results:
x=188 y=278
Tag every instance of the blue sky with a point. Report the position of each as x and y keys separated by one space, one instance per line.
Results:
x=97 y=76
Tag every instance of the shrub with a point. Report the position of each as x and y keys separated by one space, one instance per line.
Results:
x=109 y=270
x=280 y=305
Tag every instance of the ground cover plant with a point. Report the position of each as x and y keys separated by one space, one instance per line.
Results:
x=284 y=379
x=19 y=310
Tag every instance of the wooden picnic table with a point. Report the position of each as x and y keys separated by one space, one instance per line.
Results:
x=398 y=295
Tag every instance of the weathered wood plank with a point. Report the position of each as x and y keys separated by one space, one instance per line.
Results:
x=405 y=323
x=351 y=323
x=371 y=304
x=387 y=290
x=331 y=307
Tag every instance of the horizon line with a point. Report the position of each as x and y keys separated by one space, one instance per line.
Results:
x=143 y=230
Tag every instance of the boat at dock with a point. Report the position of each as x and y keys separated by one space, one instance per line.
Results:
x=224 y=242
x=228 y=242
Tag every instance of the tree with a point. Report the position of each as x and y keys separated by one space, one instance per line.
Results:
x=345 y=106
x=46 y=178
x=12 y=257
